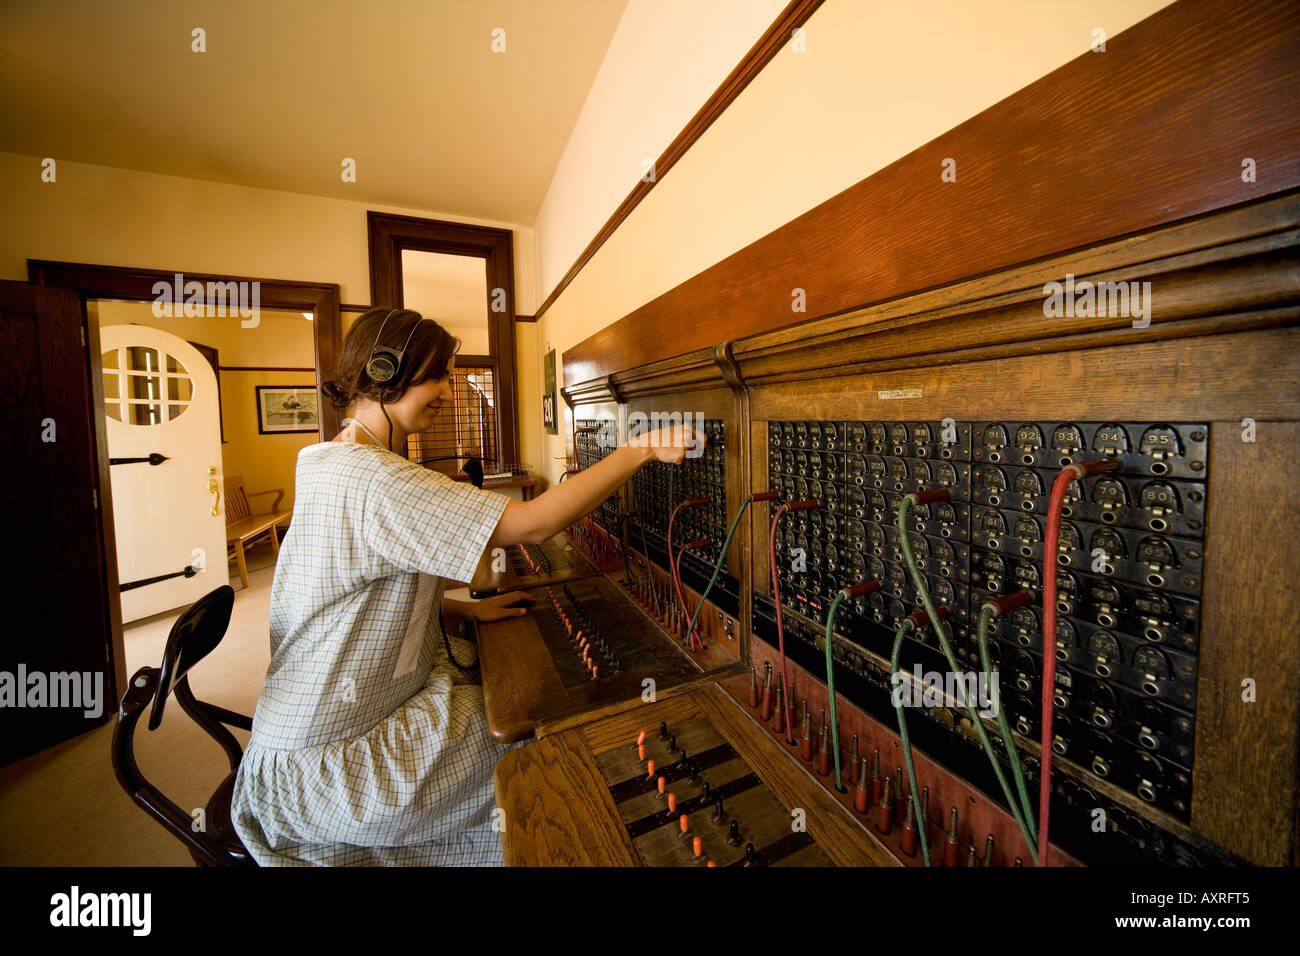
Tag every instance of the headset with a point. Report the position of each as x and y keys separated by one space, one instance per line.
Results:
x=385 y=363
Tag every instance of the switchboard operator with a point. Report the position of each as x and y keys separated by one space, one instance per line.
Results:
x=369 y=743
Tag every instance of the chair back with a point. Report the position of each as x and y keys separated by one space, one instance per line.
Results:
x=237 y=507
x=195 y=634
x=193 y=637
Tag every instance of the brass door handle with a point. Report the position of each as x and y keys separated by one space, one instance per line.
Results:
x=215 y=490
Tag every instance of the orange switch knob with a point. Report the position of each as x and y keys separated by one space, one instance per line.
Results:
x=862 y=794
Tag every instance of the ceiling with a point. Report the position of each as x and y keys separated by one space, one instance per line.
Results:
x=287 y=89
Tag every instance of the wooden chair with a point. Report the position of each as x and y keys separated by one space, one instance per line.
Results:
x=243 y=527
x=194 y=635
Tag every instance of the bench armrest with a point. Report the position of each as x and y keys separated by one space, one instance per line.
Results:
x=279 y=496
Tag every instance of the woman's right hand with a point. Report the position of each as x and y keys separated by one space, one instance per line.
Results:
x=672 y=444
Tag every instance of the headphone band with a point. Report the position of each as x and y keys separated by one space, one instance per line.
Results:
x=391 y=313
x=396 y=356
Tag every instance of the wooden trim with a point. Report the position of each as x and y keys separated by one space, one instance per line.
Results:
x=1001 y=315
x=352 y=307
x=759 y=55
x=265 y=368
x=698 y=370
x=116 y=282
x=1235 y=284
x=526 y=318
x=589 y=393
x=389 y=235
x=1022 y=193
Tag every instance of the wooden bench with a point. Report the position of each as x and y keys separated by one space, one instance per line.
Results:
x=243 y=527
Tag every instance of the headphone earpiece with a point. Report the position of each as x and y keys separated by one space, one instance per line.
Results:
x=383 y=366
x=385 y=363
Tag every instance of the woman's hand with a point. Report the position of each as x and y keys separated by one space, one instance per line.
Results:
x=499 y=607
x=671 y=444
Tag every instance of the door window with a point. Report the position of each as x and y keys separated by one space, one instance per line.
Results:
x=143 y=386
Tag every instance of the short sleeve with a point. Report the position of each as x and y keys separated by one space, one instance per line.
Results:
x=420 y=520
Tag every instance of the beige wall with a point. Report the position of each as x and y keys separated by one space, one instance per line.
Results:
x=664 y=62
x=876 y=81
x=121 y=217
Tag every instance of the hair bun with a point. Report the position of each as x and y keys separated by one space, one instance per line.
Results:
x=335 y=394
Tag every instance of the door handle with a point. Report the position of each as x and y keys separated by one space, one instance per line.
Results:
x=215 y=490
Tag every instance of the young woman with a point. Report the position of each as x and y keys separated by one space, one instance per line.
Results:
x=369 y=743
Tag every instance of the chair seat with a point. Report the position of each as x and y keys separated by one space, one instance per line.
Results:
x=220 y=823
x=245 y=528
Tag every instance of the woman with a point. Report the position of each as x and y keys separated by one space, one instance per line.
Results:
x=369 y=744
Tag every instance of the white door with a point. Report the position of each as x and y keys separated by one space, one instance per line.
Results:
x=160 y=398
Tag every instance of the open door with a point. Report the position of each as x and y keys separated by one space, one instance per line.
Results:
x=58 y=676
x=164 y=445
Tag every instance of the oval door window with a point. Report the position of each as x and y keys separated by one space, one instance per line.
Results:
x=144 y=386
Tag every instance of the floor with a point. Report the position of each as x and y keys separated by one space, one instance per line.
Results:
x=64 y=806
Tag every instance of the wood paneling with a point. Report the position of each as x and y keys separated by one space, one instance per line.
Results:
x=59 y=557
x=1151 y=132
x=1246 y=753
x=1223 y=345
x=559 y=811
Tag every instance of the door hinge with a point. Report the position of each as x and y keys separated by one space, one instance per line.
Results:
x=83 y=336
x=94 y=494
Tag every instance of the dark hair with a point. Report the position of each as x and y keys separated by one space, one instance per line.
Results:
x=430 y=349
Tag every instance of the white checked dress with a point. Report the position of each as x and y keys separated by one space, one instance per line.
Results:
x=369 y=747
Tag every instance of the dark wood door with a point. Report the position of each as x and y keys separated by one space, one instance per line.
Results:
x=57 y=674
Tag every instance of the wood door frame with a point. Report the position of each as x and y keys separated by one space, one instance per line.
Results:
x=117 y=282
x=390 y=234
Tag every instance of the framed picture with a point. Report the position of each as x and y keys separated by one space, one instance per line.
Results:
x=286 y=408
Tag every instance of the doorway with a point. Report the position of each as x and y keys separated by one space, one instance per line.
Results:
x=108 y=288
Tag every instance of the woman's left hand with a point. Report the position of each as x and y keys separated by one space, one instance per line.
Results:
x=500 y=607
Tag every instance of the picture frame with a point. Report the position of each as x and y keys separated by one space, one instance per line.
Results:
x=286 y=409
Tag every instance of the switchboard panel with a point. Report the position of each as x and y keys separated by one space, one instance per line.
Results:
x=1129 y=560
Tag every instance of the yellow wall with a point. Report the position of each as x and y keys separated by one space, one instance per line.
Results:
x=123 y=217
x=875 y=82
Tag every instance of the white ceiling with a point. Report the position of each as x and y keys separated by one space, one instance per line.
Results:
x=409 y=89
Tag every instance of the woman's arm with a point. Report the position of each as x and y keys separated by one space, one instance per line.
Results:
x=495 y=608
x=532 y=522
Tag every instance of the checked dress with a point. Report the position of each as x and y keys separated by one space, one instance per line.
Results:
x=369 y=747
